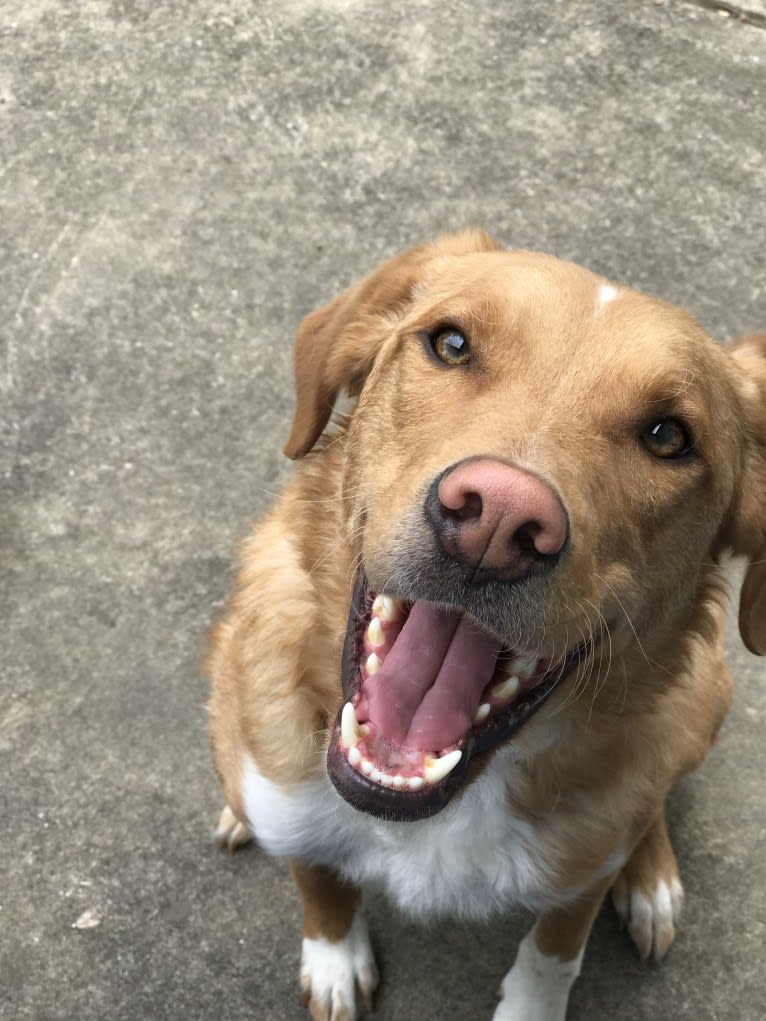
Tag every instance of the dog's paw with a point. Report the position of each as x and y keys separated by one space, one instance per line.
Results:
x=336 y=976
x=537 y=987
x=650 y=909
x=230 y=833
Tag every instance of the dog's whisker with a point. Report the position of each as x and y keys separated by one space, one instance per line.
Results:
x=627 y=617
x=603 y=630
x=345 y=540
x=585 y=636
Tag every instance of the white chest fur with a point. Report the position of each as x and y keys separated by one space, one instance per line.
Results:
x=472 y=859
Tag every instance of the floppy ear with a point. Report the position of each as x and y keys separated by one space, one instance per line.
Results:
x=336 y=345
x=750 y=354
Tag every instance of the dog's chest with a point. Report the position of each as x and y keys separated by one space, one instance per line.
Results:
x=472 y=859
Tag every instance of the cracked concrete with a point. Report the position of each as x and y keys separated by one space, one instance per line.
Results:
x=179 y=184
x=753 y=14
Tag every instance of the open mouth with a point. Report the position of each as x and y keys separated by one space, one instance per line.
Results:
x=426 y=690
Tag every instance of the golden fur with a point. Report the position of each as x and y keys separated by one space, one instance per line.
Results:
x=563 y=382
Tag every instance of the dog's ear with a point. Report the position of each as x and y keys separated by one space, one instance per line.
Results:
x=336 y=345
x=750 y=517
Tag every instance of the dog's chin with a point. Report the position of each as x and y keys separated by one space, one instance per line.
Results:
x=427 y=690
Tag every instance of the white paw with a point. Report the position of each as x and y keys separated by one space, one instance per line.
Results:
x=230 y=833
x=651 y=918
x=537 y=987
x=331 y=974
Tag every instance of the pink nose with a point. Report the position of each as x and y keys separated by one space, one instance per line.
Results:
x=496 y=519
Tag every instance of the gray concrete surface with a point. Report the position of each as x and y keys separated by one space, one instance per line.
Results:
x=179 y=183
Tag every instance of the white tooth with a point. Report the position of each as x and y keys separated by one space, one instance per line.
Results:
x=505 y=690
x=435 y=770
x=367 y=767
x=398 y=781
x=376 y=776
x=375 y=635
x=482 y=712
x=354 y=756
x=372 y=664
x=350 y=731
x=386 y=607
x=521 y=666
x=415 y=782
x=386 y=780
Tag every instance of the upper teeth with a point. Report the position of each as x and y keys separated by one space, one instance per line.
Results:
x=521 y=666
x=482 y=712
x=372 y=664
x=385 y=607
x=350 y=731
x=375 y=635
x=505 y=689
x=435 y=770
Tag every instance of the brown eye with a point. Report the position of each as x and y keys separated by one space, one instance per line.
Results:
x=451 y=347
x=667 y=439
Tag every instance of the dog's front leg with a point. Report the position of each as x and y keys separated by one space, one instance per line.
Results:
x=548 y=961
x=336 y=959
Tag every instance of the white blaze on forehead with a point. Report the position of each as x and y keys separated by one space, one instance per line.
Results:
x=750 y=388
x=606 y=294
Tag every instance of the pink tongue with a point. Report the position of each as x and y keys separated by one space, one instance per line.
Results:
x=427 y=692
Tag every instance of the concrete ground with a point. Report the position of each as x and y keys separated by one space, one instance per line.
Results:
x=179 y=183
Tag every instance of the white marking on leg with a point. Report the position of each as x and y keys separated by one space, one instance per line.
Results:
x=651 y=920
x=676 y=898
x=640 y=924
x=331 y=972
x=230 y=832
x=537 y=987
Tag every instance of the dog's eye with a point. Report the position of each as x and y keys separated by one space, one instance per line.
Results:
x=667 y=439
x=451 y=347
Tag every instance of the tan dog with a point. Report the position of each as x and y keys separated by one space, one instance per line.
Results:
x=479 y=637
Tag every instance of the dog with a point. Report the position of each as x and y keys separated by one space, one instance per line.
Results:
x=479 y=637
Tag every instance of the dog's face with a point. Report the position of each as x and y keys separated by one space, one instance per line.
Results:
x=540 y=468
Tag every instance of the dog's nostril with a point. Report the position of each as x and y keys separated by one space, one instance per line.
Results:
x=525 y=537
x=496 y=517
x=470 y=507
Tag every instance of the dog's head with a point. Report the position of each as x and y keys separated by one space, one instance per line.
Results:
x=539 y=471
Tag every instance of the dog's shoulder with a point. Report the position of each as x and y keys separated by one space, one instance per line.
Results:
x=273 y=657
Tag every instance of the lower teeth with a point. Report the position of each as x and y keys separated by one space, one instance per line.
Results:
x=434 y=770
